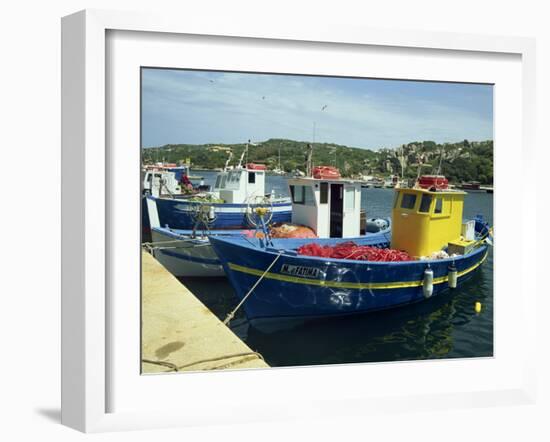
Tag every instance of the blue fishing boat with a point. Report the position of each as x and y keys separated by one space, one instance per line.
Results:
x=237 y=190
x=321 y=208
x=185 y=212
x=272 y=279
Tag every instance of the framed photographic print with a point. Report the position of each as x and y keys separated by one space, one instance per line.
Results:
x=298 y=218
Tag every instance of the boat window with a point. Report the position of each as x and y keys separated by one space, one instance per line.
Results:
x=224 y=179
x=309 y=197
x=350 y=198
x=298 y=196
x=251 y=177
x=149 y=178
x=425 y=203
x=408 y=201
x=218 y=179
x=324 y=193
x=438 y=205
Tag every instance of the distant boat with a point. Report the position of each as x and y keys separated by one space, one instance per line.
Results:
x=276 y=171
x=372 y=182
x=391 y=182
x=470 y=186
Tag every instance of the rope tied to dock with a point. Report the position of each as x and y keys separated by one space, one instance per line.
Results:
x=231 y=315
x=176 y=368
x=152 y=246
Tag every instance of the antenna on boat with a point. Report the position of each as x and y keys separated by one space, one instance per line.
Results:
x=309 y=164
x=402 y=162
x=420 y=164
x=309 y=156
x=245 y=153
x=440 y=161
x=226 y=167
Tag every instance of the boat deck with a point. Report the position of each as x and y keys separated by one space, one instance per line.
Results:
x=179 y=333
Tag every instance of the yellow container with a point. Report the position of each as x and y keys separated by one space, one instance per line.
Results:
x=424 y=222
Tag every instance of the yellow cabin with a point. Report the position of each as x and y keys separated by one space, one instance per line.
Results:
x=424 y=222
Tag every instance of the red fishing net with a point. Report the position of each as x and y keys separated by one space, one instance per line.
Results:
x=350 y=250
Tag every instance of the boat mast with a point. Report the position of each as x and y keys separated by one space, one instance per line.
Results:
x=245 y=152
x=226 y=167
x=440 y=161
x=402 y=162
x=309 y=156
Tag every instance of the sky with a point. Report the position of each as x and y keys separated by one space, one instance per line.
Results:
x=200 y=107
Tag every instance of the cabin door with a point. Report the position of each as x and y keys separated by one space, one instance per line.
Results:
x=336 y=210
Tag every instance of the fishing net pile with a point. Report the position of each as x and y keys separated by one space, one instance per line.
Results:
x=351 y=250
x=204 y=198
x=291 y=231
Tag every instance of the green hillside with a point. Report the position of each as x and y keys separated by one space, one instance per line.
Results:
x=462 y=161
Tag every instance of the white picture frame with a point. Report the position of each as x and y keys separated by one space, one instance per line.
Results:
x=86 y=317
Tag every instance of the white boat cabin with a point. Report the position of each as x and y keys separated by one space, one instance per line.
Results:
x=160 y=182
x=241 y=185
x=331 y=207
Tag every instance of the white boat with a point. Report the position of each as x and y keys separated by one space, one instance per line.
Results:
x=157 y=182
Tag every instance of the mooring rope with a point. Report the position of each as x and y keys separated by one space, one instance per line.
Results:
x=150 y=246
x=175 y=367
x=232 y=314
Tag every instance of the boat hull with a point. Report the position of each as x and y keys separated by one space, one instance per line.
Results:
x=185 y=256
x=300 y=286
x=178 y=214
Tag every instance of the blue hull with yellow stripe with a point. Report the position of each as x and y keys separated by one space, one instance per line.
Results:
x=303 y=286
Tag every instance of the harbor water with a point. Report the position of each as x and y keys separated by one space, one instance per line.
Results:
x=446 y=326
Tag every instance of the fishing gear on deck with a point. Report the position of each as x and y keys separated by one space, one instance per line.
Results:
x=350 y=250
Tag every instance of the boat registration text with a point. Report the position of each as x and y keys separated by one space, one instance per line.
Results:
x=307 y=272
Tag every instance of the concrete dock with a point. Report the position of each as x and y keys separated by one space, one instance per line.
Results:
x=179 y=333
